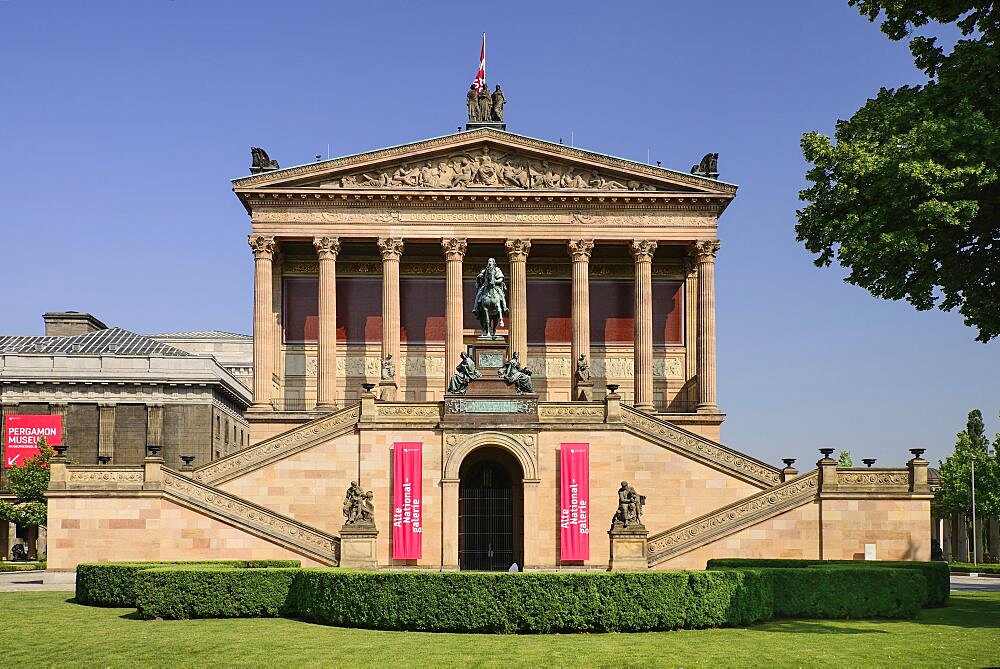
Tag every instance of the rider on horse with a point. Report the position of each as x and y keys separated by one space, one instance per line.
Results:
x=490 y=288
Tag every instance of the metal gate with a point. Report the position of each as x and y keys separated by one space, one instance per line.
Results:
x=485 y=523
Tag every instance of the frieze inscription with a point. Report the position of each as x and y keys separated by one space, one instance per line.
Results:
x=465 y=406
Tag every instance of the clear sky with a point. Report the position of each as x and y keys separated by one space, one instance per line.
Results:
x=121 y=124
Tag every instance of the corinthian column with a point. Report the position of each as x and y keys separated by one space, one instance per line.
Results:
x=263 y=340
x=704 y=252
x=454 y=253
x=517 y=322
x=392 y=249
x=642 y=340
x=327 y=249
x=580 y=250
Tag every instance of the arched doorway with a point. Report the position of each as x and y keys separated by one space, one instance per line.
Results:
x=490 y=511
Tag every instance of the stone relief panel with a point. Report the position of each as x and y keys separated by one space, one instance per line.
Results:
x=486 y=168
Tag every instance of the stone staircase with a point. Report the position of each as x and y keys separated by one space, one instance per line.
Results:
x=699 y=448
x=280 y=446
x=273 y=527
x=732 y=518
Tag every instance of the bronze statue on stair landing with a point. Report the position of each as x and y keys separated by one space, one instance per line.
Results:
x=491 y=299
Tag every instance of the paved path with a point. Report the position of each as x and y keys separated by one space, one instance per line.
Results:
x=982 y=584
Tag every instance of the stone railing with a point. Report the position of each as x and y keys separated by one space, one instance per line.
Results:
x=288 y=443
x=728 y=519
x=703 y=450
x=102 y=477
x=571 y=412
x=871 y=481
x=284 y=531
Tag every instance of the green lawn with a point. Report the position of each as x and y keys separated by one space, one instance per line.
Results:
x=46 y=629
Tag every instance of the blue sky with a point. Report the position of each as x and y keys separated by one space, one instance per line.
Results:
x=121 y=124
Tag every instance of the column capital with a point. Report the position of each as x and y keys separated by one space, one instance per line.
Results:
x=705 y=249
x=642 y=250
x=454 y=248
x=580 y=249
x=327 y=247
x=263 y=246
x=517 y=249
x=390 y=247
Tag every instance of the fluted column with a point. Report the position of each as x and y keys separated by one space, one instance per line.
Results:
x=642 y=316
x=704 y=252
x=263 y=353
x=327 y=249
x=580 y=250
x=454 y=321
x=517 y=322
x=392 y=249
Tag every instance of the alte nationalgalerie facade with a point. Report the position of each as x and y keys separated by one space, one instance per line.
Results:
x=365 y=280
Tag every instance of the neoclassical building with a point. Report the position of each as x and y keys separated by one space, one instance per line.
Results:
x=365 y=278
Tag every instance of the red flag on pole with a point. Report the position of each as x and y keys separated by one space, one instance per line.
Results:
x=480 y=81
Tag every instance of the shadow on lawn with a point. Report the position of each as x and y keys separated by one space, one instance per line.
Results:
x=967 y=611
x=810 y=627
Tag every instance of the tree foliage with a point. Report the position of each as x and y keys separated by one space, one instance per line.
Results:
x=907 y=197
x=955 y=493
x=29 y=481
x=844 y=459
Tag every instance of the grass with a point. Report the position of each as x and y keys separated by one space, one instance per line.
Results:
x=53 y=631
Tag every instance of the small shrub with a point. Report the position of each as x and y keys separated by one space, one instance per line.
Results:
x=200 y=591
x=113 y=583
x=937 y=575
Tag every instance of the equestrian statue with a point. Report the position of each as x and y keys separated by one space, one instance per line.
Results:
x=491 y=299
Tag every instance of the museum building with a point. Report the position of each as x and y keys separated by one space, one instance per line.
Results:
x=493 y=344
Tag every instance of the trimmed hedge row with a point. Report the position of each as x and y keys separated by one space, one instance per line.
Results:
x=21 y=566
x=533 y=602
x=179 y=592
x=978 y=568
x=846 y=592
x=113 y=583
x=936 y=574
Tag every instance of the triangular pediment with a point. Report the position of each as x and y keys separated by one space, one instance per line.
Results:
x=483 y=160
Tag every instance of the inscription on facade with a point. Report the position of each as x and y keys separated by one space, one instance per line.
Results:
x=491 y=406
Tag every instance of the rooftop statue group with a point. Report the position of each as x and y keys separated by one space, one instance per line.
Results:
x=483 y=107
x=359 y=507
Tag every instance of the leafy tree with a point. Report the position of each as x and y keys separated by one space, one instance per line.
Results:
x=844 y=459
x=29 y=481
x=955 y=493
x=908 y=196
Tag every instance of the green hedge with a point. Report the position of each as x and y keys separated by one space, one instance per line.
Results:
x=20 y=566
x=182 y=592
x=846 y=592
x=113 y=583
x=937 y=574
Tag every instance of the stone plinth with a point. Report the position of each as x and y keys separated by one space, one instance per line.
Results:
x=387 y=391
x=628 y=548
x=584 y=391
x=358 y=545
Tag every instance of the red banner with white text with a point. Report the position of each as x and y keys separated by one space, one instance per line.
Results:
x=574 y=502
x=407 y=512
x=21 y=435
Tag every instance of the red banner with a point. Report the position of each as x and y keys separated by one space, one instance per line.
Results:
x=21 y=434
x=574 y=502
x=407 y=514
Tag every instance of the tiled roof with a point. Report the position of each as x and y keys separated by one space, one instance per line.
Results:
x=113 y=341
x=200 y=334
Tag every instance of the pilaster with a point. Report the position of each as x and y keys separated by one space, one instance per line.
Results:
x=263 y=353
x=327 y=249
x=154 y=425
x=106 y=431
x=517 y=254
x=454 y=254
x=642 y=253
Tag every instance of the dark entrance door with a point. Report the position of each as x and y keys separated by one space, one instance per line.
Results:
x=488 y=497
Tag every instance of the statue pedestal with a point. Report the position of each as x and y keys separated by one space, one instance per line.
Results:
x=496 y=125
x=387 y=391
x=584 y=391
x=489 y=399
x=628 y=548
x=357 y=547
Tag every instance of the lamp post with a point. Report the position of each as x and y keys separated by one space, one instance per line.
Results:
x=975 y=534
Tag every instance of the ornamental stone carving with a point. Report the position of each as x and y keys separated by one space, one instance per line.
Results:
x=327 y=247
x=390 y=247
x=642 y=250
x=580 y=249
x=706 y=249
x=487 y=168
x=454 y=248
x=517 y=249
x=263 y=246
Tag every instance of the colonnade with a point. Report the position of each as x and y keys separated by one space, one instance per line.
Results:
x=702 y=255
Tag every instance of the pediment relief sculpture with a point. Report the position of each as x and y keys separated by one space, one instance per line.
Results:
x=487 y=169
